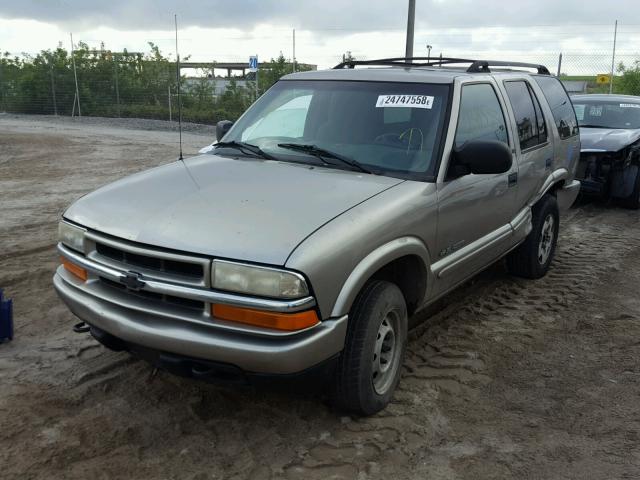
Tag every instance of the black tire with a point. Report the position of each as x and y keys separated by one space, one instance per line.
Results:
x=527 y=261
x=355 y=387
x=633 y=200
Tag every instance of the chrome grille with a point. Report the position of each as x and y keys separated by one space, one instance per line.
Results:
x=135 y=260
x=151 y=263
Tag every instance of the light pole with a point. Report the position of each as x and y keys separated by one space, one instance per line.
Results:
x=411 y=19
x=429 y=47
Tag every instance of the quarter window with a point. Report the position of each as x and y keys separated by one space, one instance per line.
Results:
x=561 y=108
x=542 y=124
x=481 y=116
x=529 y=120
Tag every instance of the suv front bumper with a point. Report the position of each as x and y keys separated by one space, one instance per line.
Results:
x=162 y=331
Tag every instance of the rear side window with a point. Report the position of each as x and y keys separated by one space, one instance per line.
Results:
x=481 y=116
x=529 y=120
x=542 y=124
x=561 y=108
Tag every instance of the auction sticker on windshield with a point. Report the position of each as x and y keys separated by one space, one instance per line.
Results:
x=630 y=105
x=405 y=101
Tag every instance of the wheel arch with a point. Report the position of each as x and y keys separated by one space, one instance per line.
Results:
x=553 y=182
x=403 y=261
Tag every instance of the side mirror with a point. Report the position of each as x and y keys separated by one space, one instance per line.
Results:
x=482 y=157
x=222 y=127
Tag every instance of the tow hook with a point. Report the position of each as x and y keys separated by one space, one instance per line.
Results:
x=81 y=328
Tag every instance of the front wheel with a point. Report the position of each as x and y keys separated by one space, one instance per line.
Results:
x=370 y=365
x=533 y=258
x=633 y=200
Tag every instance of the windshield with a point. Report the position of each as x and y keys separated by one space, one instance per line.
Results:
x=384 y=128
x=618 y=114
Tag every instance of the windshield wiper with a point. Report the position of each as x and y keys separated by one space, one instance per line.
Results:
x=593 y=126
x=322 y=153
x=246 y=147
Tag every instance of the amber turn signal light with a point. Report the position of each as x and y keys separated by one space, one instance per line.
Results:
x=74 y=269
x=259 y=318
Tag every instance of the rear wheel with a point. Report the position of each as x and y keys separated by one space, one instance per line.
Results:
x=370 y=365
x=533 y=258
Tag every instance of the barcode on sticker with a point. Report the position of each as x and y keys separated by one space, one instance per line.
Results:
x=406 y=101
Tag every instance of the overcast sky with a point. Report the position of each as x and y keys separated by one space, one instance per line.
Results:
x=233 y=29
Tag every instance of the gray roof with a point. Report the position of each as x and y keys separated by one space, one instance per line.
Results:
x=396 y=74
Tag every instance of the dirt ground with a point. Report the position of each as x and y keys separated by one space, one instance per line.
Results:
x=507 y=379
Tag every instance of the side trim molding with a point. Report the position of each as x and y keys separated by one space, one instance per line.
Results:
x=519 y=228
x=444 y=267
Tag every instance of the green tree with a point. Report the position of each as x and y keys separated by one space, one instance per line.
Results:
x=272 y=71
x=628 y=80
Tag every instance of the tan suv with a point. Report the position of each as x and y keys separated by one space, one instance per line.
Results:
x=339 y=204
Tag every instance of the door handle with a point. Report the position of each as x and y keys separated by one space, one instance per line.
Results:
x=513 y=179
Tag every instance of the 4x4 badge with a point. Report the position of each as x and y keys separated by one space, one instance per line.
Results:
x=133 y=281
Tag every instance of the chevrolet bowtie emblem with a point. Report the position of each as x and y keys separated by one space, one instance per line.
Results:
x=133 y=281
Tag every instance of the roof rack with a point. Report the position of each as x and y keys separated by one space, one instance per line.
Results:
x=477 y=66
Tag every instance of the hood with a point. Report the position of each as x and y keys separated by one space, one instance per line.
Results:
x=244 y=209
x=607 y=139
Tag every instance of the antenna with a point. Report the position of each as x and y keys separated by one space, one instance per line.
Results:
x=175 y=18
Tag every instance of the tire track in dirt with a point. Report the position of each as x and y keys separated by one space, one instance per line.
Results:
x=443 y=359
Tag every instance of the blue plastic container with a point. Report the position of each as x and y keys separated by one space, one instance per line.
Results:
x=6 y=319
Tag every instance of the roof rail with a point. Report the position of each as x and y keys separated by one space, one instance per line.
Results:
x=477 y=66
x=482 y=66
x=404 y=61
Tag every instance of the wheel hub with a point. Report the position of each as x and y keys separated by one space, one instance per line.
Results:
x=385 y=354
x=546 y=239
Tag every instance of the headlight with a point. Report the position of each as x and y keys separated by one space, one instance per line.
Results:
x=254 y=280
x=71 y=236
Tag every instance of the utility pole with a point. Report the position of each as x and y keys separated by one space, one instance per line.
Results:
x=53 y=88
x=178 y=78
x=75 y=75
x=429 y=47
x=559 y=64
x=115 y=59
x=294 y=50
x=613 y=56
x=411 y=20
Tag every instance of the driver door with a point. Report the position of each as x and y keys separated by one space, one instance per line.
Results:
x=474 y=211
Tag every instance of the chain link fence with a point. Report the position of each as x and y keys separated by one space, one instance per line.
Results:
x=116 y=85
x=145 y=86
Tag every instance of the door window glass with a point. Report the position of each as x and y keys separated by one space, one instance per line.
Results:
x=529 y=119
x=542 y=125
x=481 y=116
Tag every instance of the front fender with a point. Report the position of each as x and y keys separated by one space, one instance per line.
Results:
x=373 y=262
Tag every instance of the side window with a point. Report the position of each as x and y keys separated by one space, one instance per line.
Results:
x=563 y=114
x=542 y=125
x=524 y=112
x=529 y=120
x=481 y=116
